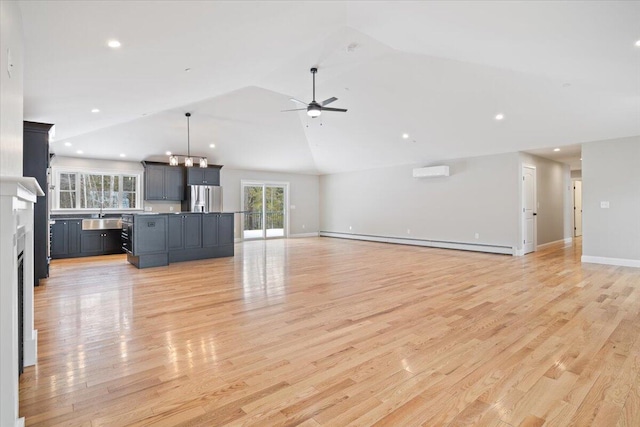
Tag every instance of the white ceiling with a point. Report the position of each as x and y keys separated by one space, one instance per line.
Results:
x=563 y=73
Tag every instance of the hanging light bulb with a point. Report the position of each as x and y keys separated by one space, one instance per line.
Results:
x=188 y=161
x=203 y=162
x=173 y=160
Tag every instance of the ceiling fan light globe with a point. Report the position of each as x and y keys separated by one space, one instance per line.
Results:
x=313 y=112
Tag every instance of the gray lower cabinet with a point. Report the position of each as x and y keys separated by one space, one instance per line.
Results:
x=185 y=231
x=65 y=238
x=100 y=242
x=145 y=240
x=155 y=240
x=217 y=229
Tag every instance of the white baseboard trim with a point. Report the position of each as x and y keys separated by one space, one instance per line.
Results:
x=611 y=261
x=31 y=349
x=518 y=252
x=295 y=236
x=555 y=242
x=476 y=247
x=20 y=422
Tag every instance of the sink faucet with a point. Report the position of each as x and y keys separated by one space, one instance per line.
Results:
x=101 y=215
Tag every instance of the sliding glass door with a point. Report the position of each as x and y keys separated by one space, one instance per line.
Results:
x=264 y=207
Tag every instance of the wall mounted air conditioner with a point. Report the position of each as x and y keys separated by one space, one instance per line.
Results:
x=431 y=171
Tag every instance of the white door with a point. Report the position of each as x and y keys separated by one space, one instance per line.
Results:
x=529 y=208
x=577 y=207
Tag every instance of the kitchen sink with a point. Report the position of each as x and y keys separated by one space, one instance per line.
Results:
x=102 y=224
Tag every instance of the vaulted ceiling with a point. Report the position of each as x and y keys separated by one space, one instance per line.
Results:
x=562 y=73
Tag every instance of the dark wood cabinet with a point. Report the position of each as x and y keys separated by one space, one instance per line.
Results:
x=217 y=229
x=35 y=163
x=100 y=242
x=65 y=238
x=203 y=176
x=185 y=231
x=163 y=182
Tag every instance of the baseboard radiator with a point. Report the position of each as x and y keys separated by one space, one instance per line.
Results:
x=476 y=247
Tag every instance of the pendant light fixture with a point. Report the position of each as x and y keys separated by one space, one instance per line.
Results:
x=188 y=160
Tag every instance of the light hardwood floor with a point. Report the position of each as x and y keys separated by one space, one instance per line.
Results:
x=334 y=332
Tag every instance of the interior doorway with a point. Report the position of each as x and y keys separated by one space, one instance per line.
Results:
x=265 y=210
x=529 y=208
x=577 y=208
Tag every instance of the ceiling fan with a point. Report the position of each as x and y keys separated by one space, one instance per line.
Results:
x=314 y=108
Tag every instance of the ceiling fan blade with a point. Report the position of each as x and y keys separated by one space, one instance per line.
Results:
x=340 y=110
x=329 y=101
x=295 y=109
x=298 y=101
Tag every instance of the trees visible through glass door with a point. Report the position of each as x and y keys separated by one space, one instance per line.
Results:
x=264 y=211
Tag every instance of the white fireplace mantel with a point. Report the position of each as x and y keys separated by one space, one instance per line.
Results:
x=17 y=197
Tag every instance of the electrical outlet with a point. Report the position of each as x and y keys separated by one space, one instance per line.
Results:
x=170 y=208
x=604 y=205
x=350 y=228
x=148 y=208
x=408 y=231
x=303 y=226
x=477 y=235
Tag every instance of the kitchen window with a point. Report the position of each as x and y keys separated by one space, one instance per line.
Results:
x=96 y=190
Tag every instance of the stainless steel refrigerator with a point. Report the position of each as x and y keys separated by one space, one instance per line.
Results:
x=203 y=198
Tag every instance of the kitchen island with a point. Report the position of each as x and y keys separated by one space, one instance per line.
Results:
x=152 y=240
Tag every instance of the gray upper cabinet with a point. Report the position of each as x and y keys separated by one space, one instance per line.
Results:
x=203 y=176
x=163 y=182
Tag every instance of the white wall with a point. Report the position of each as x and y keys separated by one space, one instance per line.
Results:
x=303 y=194
x=554 y=198
x=11 y=89
x=480 y=196
x=11 y=116
x=611 y=173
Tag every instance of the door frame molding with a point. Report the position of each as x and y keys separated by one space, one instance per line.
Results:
x=265 y=183
x=573 y=194
x=523 y=231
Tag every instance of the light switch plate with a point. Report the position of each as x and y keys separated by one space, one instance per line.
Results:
x=604 y=205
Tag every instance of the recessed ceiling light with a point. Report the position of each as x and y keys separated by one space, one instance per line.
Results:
x=113 y=44
x=67 y=144
x=638 y=43
x=212 y=145
x=168 y=153
x=405 y=136
x=79 y=151
x=95 y=110
x=556 y=149
x=122 y=155
x=499 y=116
